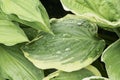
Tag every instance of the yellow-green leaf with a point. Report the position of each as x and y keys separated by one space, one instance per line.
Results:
x=111 y=58
x=11 y=34
x=75 y=75
x=105 y=13
x=31 y=11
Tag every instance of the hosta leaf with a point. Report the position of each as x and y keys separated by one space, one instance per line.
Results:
x=31 y=33
x=95 y=78
x=1 y=78
x=14 y=66
x=75 y=75
x=73 y=47
x=34 y=25
x=11 y=34
x=106 y=13
x=111 y=58
x=27 y=10
x=3 y=16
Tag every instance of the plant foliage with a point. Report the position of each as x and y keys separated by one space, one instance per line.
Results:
x=34 y=47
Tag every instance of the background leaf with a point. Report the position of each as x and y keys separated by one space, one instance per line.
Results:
x=14 y=66
x=11 y=34
x=29 y=11
x=111 y=58
x=75 y=75
x=74 y=46
x=103 y=12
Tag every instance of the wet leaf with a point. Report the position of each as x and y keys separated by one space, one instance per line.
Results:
x=74 y=46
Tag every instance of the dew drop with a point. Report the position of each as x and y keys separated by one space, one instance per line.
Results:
x=63 y=39
x=67 y=49
x=58 y=52
x=79 y=24
x=53 y=37
x=66 y=35
x=98 y=50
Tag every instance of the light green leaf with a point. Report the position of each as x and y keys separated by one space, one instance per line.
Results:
x=11 y=34
x=74 y=46
x=95 y=78
x=75 y=75
x=1 y=78
x=27 y=10
x=3 y=16
x=105 y=13
x=14 y=66
x=111 y=58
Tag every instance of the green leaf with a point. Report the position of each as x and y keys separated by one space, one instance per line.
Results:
x=3 y=16
x=105 y=13
x=32 y=34
x=14 y=66
x=74 y=45
x=75 y=75
x=95 y=78
x=31 y=11
x=11 y=34
x=111 y=58
x=1 y=78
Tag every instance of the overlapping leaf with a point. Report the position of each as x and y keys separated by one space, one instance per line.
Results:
x=30 y=11
x=75 y=75
x=11 y=34
x=106 y=13
x=14 y=66
x=74 y=46
x=111 y=57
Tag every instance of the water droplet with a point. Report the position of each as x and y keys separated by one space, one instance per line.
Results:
x=98 y=50
x=67 y=49
x=58 y=52
x=79 y=23
x=77 y=39
x=63 y=39
x=66 y=35
x=53 y=37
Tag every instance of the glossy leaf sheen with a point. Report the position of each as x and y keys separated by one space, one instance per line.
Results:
x=73 y=47
x=106 y=13
x=75 y=75
x=95 y=78
x=30 y=11
x=14 y=66
x=111 y=58
x=11 y=34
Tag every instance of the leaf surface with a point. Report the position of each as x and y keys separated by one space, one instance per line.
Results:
x=111 y=58
x=75 y=75
x=31 y=11
x=14 y=66
x=11 y=34
x=74 y=46
x=105 y=13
